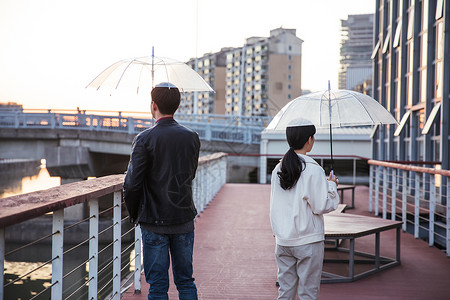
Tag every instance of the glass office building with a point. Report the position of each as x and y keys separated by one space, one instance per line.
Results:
x=411 y=78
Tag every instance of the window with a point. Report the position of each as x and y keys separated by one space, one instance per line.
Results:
x=431 y=118
x=439 y=8
x=398 y=32
x=410 y=24
x=386 y=43
x=402 y=123
x=375 y=50
x=290 y=48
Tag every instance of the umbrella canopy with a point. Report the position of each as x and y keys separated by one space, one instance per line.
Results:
x=143 y=73
x=348 y=108
x=329 y=108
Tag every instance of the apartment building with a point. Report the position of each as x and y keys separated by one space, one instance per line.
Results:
x=211 y=67
x=355 y=51
x=411 y=78
x=264 y=74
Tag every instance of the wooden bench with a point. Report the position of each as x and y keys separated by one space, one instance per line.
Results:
x=342 y=226
x=342 y=187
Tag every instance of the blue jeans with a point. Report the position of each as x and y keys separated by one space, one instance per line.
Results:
x=156 y=264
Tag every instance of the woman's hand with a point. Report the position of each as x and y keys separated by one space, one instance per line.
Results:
x=332 y=177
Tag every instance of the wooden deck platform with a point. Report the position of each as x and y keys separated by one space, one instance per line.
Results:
x=234 y=255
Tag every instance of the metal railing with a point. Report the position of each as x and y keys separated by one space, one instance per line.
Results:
x=105 y=278
x=223 y=128
x=418 y=196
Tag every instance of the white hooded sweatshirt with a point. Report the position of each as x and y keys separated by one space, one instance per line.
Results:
x=296 y=214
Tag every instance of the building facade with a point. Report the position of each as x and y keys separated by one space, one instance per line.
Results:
x=211 y=67
x=356 y=48
x=411 y=78
x=264 y=74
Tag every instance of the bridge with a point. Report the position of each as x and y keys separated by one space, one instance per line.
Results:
x=81 y=144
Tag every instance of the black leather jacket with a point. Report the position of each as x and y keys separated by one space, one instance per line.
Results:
x=158 y=183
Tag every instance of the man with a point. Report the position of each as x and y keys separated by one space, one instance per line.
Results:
x=158 y=195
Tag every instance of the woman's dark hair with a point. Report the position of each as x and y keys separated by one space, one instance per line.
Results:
x=167 y=99
x=292 y=165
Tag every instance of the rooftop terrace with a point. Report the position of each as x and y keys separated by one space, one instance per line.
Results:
x=234 y=255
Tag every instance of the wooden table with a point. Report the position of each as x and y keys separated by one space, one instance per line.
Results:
x=342 y=226
x=342 y=187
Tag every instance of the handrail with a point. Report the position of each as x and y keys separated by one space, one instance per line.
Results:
x=409 y=168
x=19 y=208
x=225 y=128
x=210 y=177
x=418 y=196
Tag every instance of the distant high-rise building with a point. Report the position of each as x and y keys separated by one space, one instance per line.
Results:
x=356 y=49
x=264 y=74
x=211 y=67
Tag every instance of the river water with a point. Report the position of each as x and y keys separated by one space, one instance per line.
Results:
x=33 y=176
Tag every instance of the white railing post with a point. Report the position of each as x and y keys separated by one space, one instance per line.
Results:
x=208 y=132
x=57 y=254
x=448 y=216
x=138 y=259
x=130 y=125
x=117 y=247
x=354 y=171
x=385 y=185
x=371 y=169
x=432 y=210
x=394 y=194
x=2 y=261
x=93 y=249
x=377 y=189
x=404 y=199
x=416 y=205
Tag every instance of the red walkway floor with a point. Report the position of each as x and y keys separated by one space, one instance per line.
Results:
x=234 y=255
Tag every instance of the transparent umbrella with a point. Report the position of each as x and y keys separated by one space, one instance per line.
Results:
x=141 y=74
x=332 y=108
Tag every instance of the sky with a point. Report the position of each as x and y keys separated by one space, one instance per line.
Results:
x=51 y=49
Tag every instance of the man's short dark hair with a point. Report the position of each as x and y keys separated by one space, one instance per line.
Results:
x=167 y=99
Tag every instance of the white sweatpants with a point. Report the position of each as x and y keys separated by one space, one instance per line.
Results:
x=299 y=268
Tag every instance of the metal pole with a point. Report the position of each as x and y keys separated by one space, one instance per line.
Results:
x=448 y=218
x=377 y=250
x=432 y=210
x=117 y=247
x=138 y=259
x=371 y=170
x=377 y=189
x=404 y=199
x=93 y=249
x=351 y=267
x=385 y=170
x=153 y=67
x=2 y=261
x=331 y=132
x=394 y=194
x=263 y=162
x=57 y=254
x=416 y=206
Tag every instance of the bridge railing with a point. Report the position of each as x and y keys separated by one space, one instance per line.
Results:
x=235 y=129
x=109 y=267
x=418 y=196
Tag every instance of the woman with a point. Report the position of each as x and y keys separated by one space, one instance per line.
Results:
x=300 y=195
